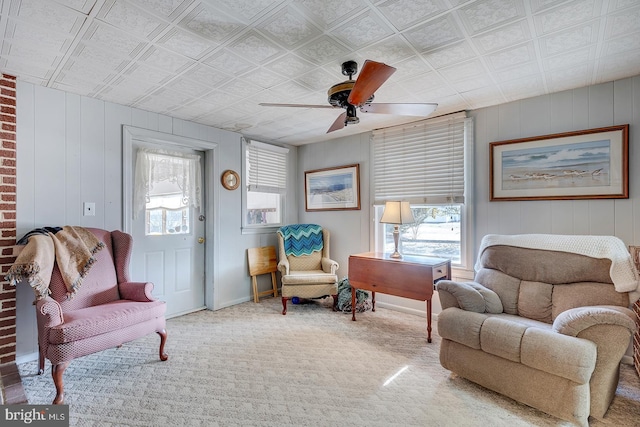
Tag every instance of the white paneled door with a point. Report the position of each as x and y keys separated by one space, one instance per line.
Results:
x=169 y=230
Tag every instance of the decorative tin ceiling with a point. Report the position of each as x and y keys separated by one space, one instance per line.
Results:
x=213 y=61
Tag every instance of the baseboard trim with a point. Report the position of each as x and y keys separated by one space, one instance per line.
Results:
x=29 y=357
x=402 y=309
x=627 y=360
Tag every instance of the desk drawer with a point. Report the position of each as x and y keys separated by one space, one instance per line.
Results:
x=440 y=272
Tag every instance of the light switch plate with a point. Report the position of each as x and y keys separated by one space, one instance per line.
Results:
x=89 y=209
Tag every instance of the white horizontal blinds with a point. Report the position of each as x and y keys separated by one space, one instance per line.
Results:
x=267 y=167
x=421 y=162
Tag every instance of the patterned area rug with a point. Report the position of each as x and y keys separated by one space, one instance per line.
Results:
x=248 y=365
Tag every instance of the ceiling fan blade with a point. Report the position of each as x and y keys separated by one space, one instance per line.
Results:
x=339 y=123
x=267 y=104
x=399 y=109
x=372 y=76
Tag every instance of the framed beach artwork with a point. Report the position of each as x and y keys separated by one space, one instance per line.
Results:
x=588 y=164
x=332 y=189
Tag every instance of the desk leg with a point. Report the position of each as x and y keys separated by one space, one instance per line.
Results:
x=353 y=303
x=373 y=301
x=429 y=320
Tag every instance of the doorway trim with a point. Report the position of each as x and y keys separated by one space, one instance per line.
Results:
x=211 y=162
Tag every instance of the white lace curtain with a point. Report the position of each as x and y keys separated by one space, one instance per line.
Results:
x=155 y=166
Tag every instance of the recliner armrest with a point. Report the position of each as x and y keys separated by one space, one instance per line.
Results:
x=469 y=296
x=49 y=312
x=283 y=266
x=329 y=265
x=576 y=320
x=136 y=291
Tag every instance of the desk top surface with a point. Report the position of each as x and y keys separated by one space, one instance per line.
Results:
x=405 y=258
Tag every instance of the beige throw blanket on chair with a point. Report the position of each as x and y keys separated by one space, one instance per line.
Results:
x=72 y=248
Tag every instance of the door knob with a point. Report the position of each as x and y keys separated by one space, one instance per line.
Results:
x=200 y=240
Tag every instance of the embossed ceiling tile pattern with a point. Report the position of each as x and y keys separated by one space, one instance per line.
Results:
x=110 y=38
x=327 y=13
x=289 y=28
x=564 y=77
x=166 y=8
x=322 y=50
x=186 y=44
x=569 y=40
x=502 y=37
x=512 y=56
x=83 y=6
x=264 y=78
x=434 y=34
x=240 y=88
x=616 y=64
x=567 y=15
x=76 y=84
x=166 y=60
x=290 y=65
x=97 y=57
x=219 y=99
x=212 y=24
x=206 y=75
x=481 y=97
x=293 y=89
x=468 y=85
x=630 y=42
x=31 y=73
x=487 y=14
x=621 y=4
x=362 y=30
x=244 y=10
x=89 y=72
x=36 y=37
x=228 y=62
x=410 y=67
x=463 y=71
x=522 y=88
x=450 y=55
x=144 y=72
x=427 y=81
x=405 y=13
x=129 y=18
x=255 y=47
x=391 y=50
x=622 y=23
x=189 y=88
x=319 y=79
x=518 y=72
x=48 y=14
x=569 y=59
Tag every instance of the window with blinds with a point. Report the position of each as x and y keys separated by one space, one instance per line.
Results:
x=423 y=162
x=266 y=184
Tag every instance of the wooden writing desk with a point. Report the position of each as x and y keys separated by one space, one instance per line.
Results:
x=410 y=277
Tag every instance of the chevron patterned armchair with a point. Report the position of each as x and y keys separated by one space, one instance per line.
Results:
x=306 y=269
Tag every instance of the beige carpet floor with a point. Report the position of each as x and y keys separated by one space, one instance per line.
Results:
x=248 y=365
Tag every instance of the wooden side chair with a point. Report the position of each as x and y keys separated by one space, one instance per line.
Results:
x=263 y=261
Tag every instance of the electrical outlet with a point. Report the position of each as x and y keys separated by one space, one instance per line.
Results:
x=89 y=209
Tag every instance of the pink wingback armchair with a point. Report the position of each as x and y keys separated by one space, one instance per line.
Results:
x=107 y=311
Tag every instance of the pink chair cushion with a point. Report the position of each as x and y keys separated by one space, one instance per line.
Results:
x=92 y=321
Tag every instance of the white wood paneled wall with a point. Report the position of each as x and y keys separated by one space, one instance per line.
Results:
x=601 y=105
x=69 y=151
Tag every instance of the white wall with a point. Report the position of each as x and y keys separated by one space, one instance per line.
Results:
x=590 y=107
x=596 y=106
x=69 y=151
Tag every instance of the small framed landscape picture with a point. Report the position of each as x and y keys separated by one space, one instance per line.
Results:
x=332 y=189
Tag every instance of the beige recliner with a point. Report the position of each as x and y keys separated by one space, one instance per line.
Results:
x=306 y=269
x=545 y=321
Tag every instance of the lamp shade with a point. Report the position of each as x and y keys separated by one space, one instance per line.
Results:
x=397 y=213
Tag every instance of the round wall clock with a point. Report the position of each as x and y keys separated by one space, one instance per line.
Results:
x=230 y=180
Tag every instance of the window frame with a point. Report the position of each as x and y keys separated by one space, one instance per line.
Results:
x=466 y=208
x=262 y=228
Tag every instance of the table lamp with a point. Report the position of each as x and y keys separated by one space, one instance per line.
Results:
x=397 y=213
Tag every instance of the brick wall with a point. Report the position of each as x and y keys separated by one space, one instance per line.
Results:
x=636 y=338
x=7 y=216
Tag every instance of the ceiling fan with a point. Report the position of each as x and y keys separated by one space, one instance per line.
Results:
x=358 y=94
